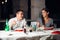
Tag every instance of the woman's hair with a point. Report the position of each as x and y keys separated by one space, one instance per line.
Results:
x=43 y=20
x=42 y=16
x=45 y=9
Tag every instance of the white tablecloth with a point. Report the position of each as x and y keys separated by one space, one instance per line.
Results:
x=12 y=35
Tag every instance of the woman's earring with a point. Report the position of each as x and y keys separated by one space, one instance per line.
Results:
x=48 y=12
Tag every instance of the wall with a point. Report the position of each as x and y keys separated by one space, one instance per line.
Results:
x=36 y=6
x=20 y=4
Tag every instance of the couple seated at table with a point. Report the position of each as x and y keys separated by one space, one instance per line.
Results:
x=19 y=21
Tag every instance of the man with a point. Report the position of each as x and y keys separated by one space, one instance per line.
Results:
x=17 y=22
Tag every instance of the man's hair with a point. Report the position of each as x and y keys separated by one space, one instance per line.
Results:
x=19 y=10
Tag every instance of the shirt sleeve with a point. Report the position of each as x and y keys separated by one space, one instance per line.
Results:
x=40 y=21
x=50 y=24
x=10 y=22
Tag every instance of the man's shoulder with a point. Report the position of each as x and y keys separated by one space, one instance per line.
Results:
x=12 y=19
x=24 y=19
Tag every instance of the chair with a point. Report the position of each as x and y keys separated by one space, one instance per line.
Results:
x=33 y=23
x=55 y=25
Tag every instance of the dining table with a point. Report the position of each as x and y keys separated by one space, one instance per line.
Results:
x=35 y=35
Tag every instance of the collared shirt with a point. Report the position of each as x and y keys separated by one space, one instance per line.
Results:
x=19 y=24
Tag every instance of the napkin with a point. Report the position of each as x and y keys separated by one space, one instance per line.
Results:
x=56 y=32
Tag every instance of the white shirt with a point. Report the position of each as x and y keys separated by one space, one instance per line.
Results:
x=19 y=24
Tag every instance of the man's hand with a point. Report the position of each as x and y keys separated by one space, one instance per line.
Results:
x=13 y=22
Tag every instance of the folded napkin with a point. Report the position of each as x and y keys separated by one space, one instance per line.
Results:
x=56 y=32
x=18 y=30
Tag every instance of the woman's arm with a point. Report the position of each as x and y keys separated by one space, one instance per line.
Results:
x=38 y=24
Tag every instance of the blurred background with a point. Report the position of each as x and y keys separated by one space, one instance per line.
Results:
x=32 y=10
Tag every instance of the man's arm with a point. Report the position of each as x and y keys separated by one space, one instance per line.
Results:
x=11 y=23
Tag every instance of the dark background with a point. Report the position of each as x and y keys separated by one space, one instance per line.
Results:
x=53 y=6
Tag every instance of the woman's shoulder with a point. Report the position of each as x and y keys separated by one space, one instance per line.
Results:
x=50 y=19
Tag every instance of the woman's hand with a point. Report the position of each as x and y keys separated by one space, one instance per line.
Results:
x=48 y=28
x=38 y=24
x=42 y=27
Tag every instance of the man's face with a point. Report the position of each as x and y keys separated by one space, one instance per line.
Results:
x=44 y=13
x=19 y=15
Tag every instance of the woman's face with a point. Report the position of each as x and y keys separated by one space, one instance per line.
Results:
x=19 y=15
x=44 y=13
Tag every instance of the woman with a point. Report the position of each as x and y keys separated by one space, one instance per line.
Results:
x=45 y=21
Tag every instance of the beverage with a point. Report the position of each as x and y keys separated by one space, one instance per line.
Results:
x=7 y=25
x=24 y=30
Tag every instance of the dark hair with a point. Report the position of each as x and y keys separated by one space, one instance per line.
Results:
x=45 y=9
x=19 y=10
x=42 y=16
